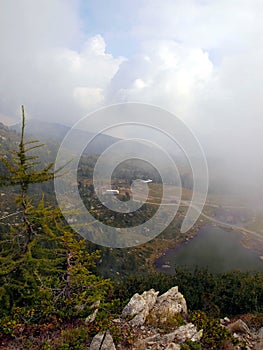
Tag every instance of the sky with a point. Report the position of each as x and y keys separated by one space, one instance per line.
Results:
x=199 y=59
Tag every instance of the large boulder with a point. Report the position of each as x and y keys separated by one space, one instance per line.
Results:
x=167 y=306
x=139 y=307
x=150 y=312
x=155 y=310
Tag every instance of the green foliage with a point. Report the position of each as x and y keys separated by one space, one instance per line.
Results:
x=49 y=274
x=214 y=335
x=23 y=171
x=80 y=287
x=9 y=326
x=23 y=257
x=231 y=293
x=191 y=345
x=171 y=322
x=46 y=269
x=73 y=339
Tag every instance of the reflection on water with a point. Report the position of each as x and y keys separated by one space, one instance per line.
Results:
x=214 y=248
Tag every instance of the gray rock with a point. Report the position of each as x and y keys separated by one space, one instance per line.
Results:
x=152 y=339
x=108 y=343
x=260 y=333
x=168 y=305
x=95 y=305
x=139 y=307
x=259 y=345
x=225 y=321
x=158 y=309
x=180 y=335
x=183 y=333
x=238 y=326
x=197 y=336
x=91 y=318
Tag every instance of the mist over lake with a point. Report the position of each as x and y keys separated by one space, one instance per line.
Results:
x=214 y=248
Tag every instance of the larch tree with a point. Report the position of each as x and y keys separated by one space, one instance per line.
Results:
x=45 y=267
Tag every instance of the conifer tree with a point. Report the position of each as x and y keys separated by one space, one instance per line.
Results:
x=45 y=267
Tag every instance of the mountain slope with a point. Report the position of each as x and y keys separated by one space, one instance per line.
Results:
x=55 y=133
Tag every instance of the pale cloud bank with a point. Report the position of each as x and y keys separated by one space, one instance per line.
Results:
x=200 y=59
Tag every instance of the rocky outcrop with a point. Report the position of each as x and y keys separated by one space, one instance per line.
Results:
x=167 y=306
x=139 y=307
x=151 y=322
x=172 y=339
x=241 y=331
x=155 y=309
x=143 y=316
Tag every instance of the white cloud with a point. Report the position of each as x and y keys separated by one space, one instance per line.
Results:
x=166 y=74
x=199 y=59
x=88 y=98
x=220 y=24
x=212 y=77
x=95 y=45
x=57 y=77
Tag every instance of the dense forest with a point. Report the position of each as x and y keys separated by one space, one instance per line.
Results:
x=51 y=278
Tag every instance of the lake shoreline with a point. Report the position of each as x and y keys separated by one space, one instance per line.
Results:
x=162 y=264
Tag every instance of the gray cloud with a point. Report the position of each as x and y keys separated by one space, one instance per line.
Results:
x=201 y=60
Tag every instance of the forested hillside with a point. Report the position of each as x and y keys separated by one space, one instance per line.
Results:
x=51 y=279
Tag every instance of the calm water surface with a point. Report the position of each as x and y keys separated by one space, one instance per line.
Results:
x=214 y=248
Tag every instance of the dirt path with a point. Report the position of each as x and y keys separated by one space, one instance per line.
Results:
x=210 y=218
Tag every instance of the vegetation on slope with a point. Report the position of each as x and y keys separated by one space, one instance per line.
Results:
x=49 y=280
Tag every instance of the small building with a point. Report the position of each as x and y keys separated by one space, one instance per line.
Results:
x=112 y=191
x=146 y=181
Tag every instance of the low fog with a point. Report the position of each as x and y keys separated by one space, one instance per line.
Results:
x=200 y=60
